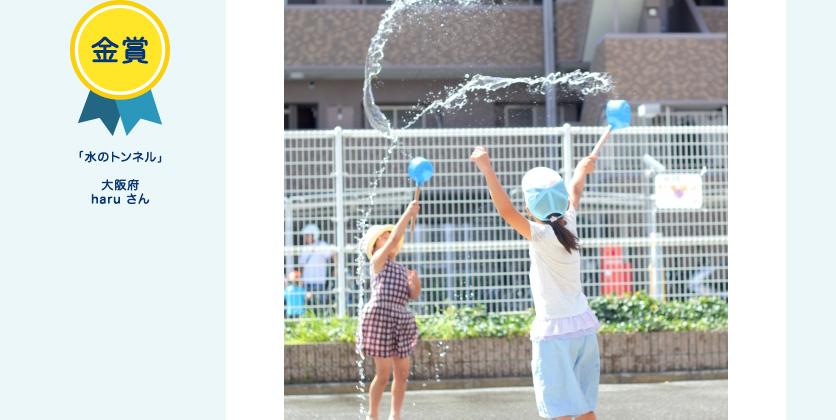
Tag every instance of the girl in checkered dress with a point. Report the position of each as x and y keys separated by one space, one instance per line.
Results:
x=389 y=332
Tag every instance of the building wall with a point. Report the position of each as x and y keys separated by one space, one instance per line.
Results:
x=325 y=93
x=665 y=68
x=572 y=17
x=340 y=36
x=645 y=67
x=717 y=19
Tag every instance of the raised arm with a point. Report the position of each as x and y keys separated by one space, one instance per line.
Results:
x=585 y=167
x=499 y=196
x=379 y=257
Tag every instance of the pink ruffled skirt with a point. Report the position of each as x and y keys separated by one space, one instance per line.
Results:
x=562 y=328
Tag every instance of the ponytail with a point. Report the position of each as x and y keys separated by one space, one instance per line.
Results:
x=566 y=238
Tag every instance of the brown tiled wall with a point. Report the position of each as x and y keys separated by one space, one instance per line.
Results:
x=327 y=36
x=572 y=18
x=717 y=20
x=321 y=36
x=502 y=357
x=661 y=69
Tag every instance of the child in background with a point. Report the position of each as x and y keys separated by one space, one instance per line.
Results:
x=295 y=296
x=565 y=361
x=315 y=262
x=388 y=328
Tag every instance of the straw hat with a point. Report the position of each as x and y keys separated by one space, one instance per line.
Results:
x=373 y=234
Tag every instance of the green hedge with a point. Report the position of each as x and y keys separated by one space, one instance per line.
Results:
x=628 y=313
x=642 y=313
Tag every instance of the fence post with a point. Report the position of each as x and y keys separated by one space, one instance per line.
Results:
x=288 y=235
x=567 y=152
x=450 y=267
x=340 y=222
x=656 y=286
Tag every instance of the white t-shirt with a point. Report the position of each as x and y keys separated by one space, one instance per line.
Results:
x=555 y=274
x=314 y=262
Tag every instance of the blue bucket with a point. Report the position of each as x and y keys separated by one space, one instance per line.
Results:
x=618 y=114
x=420 y=170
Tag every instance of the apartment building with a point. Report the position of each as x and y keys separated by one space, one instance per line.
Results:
x=673 y=53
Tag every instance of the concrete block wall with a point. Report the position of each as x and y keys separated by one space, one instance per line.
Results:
x=653 y=352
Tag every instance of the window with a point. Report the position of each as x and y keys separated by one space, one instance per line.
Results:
x=522 y=116
x=686 y=117
x=519 y=2
x=389 y=2
x=569 y=113
x=534 y=115
x=692 y=151
x=300 y=117
x=401 y=115
x=300 y=1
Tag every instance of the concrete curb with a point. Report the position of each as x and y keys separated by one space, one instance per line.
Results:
x=417 y=385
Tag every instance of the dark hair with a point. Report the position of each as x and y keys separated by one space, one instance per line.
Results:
x=566 y=238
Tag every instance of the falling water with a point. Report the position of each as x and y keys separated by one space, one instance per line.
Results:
x=586 y=83
x=442 y=352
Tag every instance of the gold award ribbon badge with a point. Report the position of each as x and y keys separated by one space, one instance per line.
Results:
x=120 y=51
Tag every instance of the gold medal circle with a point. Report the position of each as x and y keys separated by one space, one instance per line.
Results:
x=142 y=87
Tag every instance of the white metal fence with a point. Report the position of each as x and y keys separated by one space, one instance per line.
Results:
x=465 y=253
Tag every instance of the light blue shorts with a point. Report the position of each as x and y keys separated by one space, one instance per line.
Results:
x=566 y=374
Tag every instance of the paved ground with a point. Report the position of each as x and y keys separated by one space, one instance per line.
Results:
x=674 y=400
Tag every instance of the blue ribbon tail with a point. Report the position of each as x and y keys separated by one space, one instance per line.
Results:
x=140 y=108
x=105 y=109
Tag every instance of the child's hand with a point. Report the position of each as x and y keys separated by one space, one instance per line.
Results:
x=412 y=279
x=480 y=156
x=412 y=209
x=413 y=284
x=587 y=165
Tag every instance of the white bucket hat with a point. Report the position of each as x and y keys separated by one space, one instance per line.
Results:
x=373 y=234
x=545 y=193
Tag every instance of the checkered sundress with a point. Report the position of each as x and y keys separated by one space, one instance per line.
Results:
x=388 y=328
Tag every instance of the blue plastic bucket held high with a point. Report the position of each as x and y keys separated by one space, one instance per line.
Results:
x=618 y=114
x=420 y=170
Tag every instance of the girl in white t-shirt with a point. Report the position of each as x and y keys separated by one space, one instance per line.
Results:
x=565 y=361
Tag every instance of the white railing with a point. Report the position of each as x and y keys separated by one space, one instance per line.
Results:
x=465 y=254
